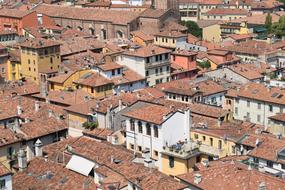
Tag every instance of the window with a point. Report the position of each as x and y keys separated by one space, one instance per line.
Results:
x=236 y=110
x=156 y=71
x=196 y=136
x=148 y=129
x=119 y=71
x=51 y=60
x=156 y=58
x=258 y=118
x=171 y=161
x=259 y=106
x=155 y=153
x=132 y=128
x=283 y=166
x=2 y=184
x=160 y=70
x=166 y=56
x=270 y=108
x=270 y=164
x=173 y=57
x=140 y=127
x=29 y=68
x=113 y=72
x=204 y=138
x=139 y=148
x=167 y=68
x=92 y=90
x=237 y=100
x=211 y=141
x=146 y=73
x=132 y=146
x=248 y=103
x=155 y=128
x=147 y=60
x=220 y=144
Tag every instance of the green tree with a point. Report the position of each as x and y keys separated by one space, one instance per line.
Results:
x=268 y=23
x=204 y=64
x=279 y=28
x=193 y=28
x=90 y=125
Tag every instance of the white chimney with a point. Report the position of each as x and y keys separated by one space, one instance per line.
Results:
x=120 y=105
x=39 y=148
x=50 y=114
x=22 y=159
x=262 y=186
x=147 y=159
x=37 y=106
x=19 y=110
x=197 y=178
x=187 y=124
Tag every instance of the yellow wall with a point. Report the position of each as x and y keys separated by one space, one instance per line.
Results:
x=4 y=153
x=69 y=82
x=212 y=33
x=165 y=41
x=13 y=70
x=213 y=65
x=96 y=93
x=227 y=145
x=38 y=62
x=276 y=128
x=76 y=120
x=180 y=165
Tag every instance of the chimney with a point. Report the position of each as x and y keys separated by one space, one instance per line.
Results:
x=22 y=159
x=147 y=159
x=187 y=124
x=120 y=105
x=197 y=178
x=19 y=110
x=50 y=114
x=37 y=106
x=39 y=148
x=262 y=186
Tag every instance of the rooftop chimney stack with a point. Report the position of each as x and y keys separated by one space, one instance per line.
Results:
x=39 y=148
x=197 y=178
x=22 y=159
x=19 y=110
x=37 y=106
x=147 y=159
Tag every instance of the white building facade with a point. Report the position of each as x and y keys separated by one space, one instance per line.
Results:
x=142 y=135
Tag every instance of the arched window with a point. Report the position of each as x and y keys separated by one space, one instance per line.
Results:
x=68 y=27
x=140 y=127
x=103 y=34
x=132 y=122
x=79 y=28
x=148 y=129
x=155 y=128
x=119 y=34
x=91 y=31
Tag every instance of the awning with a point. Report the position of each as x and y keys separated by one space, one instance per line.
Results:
x=80 y=165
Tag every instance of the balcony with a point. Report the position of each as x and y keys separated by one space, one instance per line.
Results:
x=157 y=64
x=182 y=150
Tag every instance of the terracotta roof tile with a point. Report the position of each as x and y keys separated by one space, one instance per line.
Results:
x=43 y=175
x=232 y=175
x=147 y=51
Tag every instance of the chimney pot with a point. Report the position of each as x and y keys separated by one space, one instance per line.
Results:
x=22 y=159
x=197 y=178
x=39 y=148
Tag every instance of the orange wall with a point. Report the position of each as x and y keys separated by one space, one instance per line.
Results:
x=184 y=61
x=19 y=23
